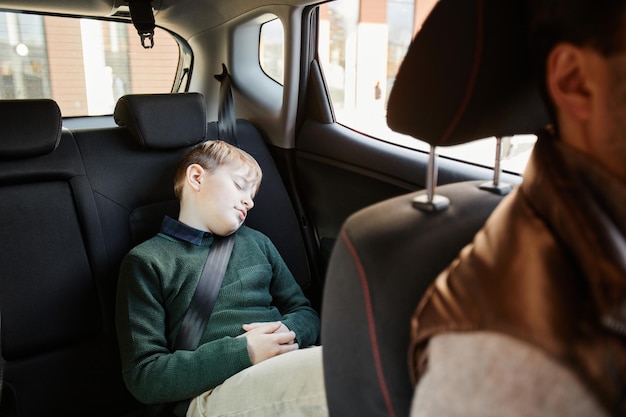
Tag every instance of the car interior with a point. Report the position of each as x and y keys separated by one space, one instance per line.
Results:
x=363 y=222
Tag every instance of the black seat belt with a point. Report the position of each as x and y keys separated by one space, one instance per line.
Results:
x=226 y=117
x=201 y=306
x=203 y=300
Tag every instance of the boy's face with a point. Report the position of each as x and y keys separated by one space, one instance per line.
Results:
x=224 y=199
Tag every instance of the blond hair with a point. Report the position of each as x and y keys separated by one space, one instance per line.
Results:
x=213 y=154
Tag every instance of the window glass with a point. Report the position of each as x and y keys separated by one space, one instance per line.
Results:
x=272 y=50
x=85 y=65
x=361 y=46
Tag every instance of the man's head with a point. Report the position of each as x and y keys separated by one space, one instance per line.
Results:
x=579 y=51
x=216 y=184
x=595 y=24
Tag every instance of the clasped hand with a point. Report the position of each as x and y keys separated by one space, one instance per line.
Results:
x=266 y=340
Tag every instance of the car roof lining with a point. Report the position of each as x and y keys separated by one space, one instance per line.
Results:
x=185 y=17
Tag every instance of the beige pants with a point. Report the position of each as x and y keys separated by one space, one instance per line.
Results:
x=289 y=385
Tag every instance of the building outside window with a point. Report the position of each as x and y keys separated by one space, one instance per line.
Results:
x=361 y=46
x=85 y=65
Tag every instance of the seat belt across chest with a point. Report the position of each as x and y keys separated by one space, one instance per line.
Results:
x=203 y=300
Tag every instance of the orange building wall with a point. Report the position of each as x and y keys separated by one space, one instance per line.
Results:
x=373 y=11
x=152 y=69
x=66 y=65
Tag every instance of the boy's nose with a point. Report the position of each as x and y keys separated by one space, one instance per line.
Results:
x=248 y=203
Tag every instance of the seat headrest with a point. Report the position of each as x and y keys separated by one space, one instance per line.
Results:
x=163 y=121
x=467 y=75
x=29 y=128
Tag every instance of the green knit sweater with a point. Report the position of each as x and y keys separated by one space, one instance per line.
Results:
x=157 y=281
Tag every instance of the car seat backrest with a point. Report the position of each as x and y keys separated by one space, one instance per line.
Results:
x=385 y=258
x=131 y=169
x=465 y=77
x=54 y=331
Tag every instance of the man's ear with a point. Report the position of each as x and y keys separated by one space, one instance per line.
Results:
x=194 y=176
x=567 y=77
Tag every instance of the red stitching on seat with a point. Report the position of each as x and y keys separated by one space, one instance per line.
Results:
x=474 y=75
x=371 y=325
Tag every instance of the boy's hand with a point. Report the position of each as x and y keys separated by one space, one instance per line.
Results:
x=281 y=329
x=266 y=340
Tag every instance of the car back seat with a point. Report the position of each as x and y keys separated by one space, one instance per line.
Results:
x=72 y=204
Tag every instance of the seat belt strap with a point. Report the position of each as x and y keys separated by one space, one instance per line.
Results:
x=200 y=308
x=203 y=300
x=226 y=117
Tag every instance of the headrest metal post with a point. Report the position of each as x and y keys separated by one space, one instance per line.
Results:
x=431 y=201
x=496 y=168
x=431 y=174
x=495 y=186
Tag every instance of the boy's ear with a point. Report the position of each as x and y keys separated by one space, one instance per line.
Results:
x=567 y=77
x=194 y=176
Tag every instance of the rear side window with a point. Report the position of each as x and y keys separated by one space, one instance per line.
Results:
x=85 y=65
x=361 y=46
x=272 y=50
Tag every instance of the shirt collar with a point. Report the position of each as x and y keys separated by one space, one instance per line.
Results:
x=178 y=230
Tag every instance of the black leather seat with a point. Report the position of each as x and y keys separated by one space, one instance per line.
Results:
x=464 y=77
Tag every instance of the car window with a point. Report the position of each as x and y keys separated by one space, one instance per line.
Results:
x=48 y=57
x=361 y=46
x=272 y=50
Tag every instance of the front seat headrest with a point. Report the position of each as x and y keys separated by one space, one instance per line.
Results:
x=467 y=75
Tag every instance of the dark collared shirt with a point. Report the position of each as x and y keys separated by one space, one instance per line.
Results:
x=175 y=228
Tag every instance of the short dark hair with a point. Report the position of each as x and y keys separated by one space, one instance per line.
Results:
x=597 y=24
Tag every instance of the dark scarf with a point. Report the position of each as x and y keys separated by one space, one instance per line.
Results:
x=593 y=223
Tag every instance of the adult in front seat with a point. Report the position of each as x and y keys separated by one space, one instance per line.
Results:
x=248 y=361
x=530 y=319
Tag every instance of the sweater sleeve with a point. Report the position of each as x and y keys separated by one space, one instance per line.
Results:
x=296 y=310
x=151 y=372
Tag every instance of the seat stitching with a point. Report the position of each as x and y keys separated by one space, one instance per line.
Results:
x=371 y=323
